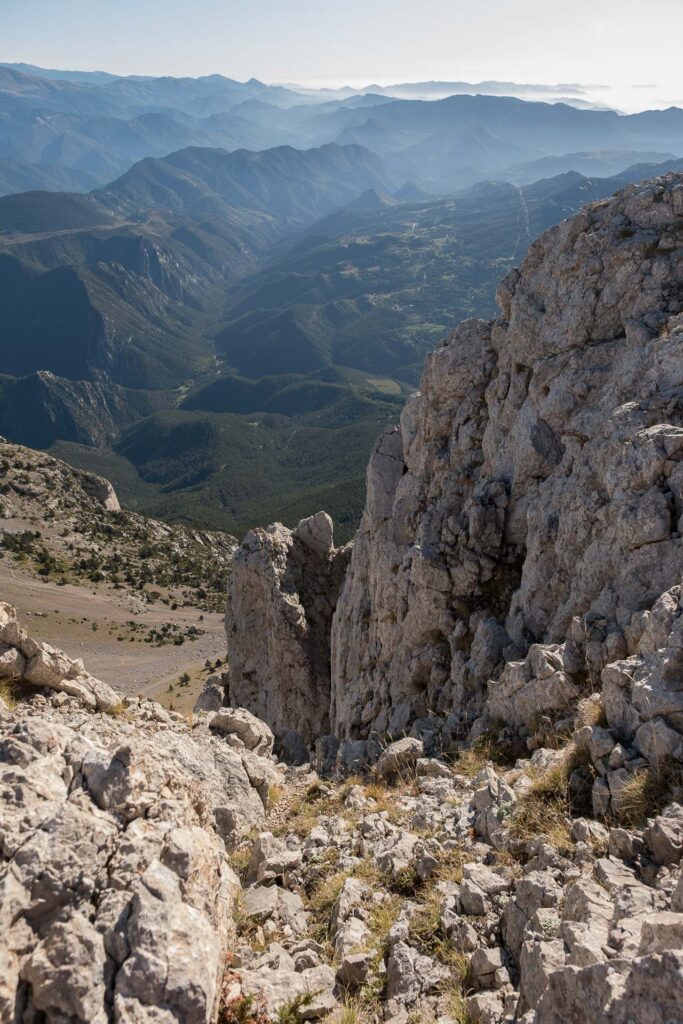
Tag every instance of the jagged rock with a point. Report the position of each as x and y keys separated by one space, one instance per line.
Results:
x=648 y=990
x=281 y=597
x=115 y=887
x=355 y=969
x=271 y=860
x=410 y=975
x=98 y=488
x=348 y=920
x=533 y=489
x=255 y=735
x=212 y=695
x=399 y=757
x=537 y=960
x=486 y=965
x=279 y=986
x=285 y=908
x=664 y=837
x=38 y=664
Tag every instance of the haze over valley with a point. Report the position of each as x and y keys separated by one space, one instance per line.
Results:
x=218 y=293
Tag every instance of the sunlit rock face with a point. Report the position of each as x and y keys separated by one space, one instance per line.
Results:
x=534 y=480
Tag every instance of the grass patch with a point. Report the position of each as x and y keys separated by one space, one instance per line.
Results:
x=10 y=693
x=118 y=710
x=486 y=749
x=289 y=1012
x=544 y=810
x=325 y=895
x=648 y=791
x=591 y=711
x=275 y=794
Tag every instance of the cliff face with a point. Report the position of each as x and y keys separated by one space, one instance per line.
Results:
x=536 y=478
x=281 y=596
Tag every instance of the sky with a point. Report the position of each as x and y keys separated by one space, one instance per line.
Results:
x=618 y=44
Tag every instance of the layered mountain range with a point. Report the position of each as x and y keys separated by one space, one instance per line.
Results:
x=224 y=328
x=81 y=130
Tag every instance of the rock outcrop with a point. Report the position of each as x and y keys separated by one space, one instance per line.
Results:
x=281 y=597
x=116 y=821
x=534 y=490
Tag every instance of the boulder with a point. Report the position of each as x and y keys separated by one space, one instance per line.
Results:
x=254 y=734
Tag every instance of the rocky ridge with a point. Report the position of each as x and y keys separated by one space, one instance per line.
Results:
x=514 y=593
x=155 y=869
x=281 y=597
x=116 y=818
x=84 y=536
x=521 y=529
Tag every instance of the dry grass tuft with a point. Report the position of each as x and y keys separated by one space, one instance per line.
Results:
x=10 y=693
x=275 y=795
x=380 y=922
x=591 y=711
x=325 y=895
x=239 y=861
x=486 y=749
x=118 y=711
x=457 y=1004
x=648 y=791
x=354 y=1011
x=546 y=808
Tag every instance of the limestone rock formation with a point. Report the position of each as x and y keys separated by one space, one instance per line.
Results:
x=532 y=494
x=281 y=597
x=116 y=819
x=26 y=661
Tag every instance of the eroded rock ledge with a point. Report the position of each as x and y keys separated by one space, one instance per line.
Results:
x=116 y=821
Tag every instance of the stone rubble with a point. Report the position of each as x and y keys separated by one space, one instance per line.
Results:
x=116 y=820
x=518 y=930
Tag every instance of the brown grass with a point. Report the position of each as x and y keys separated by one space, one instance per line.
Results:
x=484 y=750
x=546 y=808
x=590 y=711
x=648 y=791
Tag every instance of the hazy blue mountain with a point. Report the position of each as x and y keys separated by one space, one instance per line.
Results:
x=95 y=127
x=447 y=143
x=225 y=334
x=599 y=163
x=18 y=176
x=87 y=77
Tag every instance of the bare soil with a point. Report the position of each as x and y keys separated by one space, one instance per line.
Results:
x=86 y=622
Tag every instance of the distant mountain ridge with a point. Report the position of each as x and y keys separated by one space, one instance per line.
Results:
x=84 y=129
x=226 y=333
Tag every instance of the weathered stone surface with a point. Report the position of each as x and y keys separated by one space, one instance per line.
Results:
x=399 y=757
x=213 y=693
x=38 y=664
x=255 y=735
x=281 y=597
x=116 y=894
x=648 y=990
x=533 y=480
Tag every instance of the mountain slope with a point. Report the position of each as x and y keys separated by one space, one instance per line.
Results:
x=120 y=285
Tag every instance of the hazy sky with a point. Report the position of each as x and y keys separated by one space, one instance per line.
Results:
x=616 y=42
